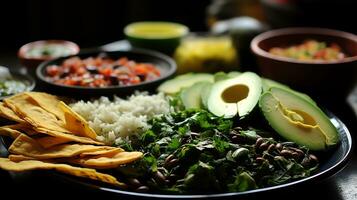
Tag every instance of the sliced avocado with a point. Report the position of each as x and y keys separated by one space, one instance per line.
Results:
x=235 y=96
x=233 y=74
x=219 y=76
x=175 y=85
x=297 y=119
x=206 y=89
x=268 y=83
x=191 y=96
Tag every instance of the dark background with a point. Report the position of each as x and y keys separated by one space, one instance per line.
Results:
x=93 y=23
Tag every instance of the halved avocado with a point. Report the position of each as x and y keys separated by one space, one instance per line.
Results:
x=176 y=84
x=297 y=119
x=191 y=96
x=235 y=96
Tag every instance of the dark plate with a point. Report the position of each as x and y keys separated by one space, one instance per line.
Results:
x=21 y=77
x=334 y=161
x=165 y=64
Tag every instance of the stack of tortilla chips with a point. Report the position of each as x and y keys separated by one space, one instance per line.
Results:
x=49 y=135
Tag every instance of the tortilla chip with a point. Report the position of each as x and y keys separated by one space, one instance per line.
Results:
x=9 y=132
x=76 y=123
x=49 y=141
x=48 y=102
x=106 y=153
x=19 y=158
x=101 y=162
x=7 y=113
x=25 y=128
x=31 y=112
x=26 y=165
x=74 y=138
x=27 y=146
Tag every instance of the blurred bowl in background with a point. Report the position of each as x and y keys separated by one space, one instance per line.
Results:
x=156 y=35
x=34 y=53
x=326 y=78
x=206 y=52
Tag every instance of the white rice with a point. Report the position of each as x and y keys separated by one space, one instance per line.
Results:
x=118 y=119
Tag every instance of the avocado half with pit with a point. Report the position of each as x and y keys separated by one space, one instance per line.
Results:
x=235 y=96
x=297 y=119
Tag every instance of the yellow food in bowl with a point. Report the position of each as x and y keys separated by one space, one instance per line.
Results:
x=160 y=36
x=206 y=54
x=155 y=30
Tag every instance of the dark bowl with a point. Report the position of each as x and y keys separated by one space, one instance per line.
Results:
x=165 y=64
x=315 y=77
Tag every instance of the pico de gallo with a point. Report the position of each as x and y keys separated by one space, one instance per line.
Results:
x=101 y=71
x=311 y=50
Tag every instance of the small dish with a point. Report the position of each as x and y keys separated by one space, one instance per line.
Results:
x=163 y=63
x=156 y=35
x=315 y=77
x=34 y=53
x=13 y=83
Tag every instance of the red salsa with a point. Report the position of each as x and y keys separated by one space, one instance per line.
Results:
x=101 y=71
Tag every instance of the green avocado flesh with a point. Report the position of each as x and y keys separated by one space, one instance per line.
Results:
x=235 y=96
x=191 y=96
x=184 y=81
x=268 y=83
x=297 y=119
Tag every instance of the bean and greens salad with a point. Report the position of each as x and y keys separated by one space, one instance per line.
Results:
x=193 y=151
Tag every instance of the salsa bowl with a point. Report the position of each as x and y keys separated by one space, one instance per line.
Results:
x=164 y=64
x=317 y=77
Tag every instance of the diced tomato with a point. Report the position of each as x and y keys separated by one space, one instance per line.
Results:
x=52 y=70
x=106 y=71
x=76 y=71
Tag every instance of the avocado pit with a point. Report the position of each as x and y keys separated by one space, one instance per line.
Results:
x=235 y=93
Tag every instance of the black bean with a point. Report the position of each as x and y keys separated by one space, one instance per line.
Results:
x=159 y=177
x=278 y=146
x=172 y=177
x=235 y=138
x=306 y=162
x=259 y=142
x=237 y=128
x=313 y=158
x=134 y=182
x=142 y=189
x=264 y=146
x=286 y=153
x=172 y=163
x=259 y=159
x=295 y=155
x=233 y=132
x=299 y=151
x=168 y=159
x=271 y=147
